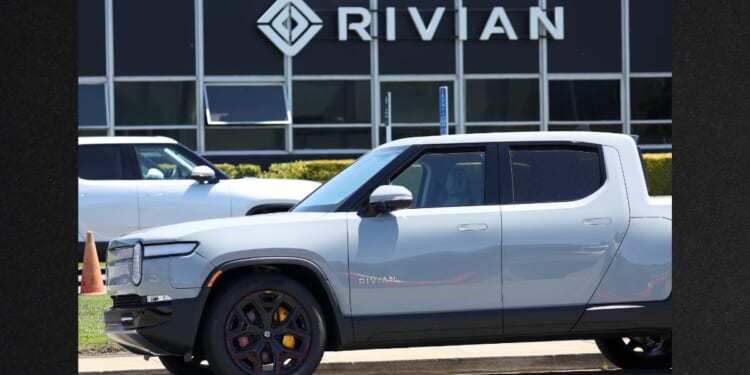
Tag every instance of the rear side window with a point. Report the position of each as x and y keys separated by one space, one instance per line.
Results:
x=103 y=162
x=555 y=173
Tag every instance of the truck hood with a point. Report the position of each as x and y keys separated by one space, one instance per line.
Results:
x=271 y=188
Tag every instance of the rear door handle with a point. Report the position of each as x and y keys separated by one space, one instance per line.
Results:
x=471 y=227
x=597 y=221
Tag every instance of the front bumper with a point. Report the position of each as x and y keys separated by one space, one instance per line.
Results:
x=164 y=328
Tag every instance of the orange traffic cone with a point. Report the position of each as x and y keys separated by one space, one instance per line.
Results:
x=91 y=275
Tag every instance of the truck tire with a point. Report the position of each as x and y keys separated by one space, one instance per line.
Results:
x=643 y=352
x=263 y=323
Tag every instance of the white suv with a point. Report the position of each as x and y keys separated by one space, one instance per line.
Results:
x=131 y=183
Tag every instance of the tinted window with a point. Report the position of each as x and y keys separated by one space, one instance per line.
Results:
x=246 y=104
x=650 y=35
x=416 y=101
x=592 y=37
x=329 y=102
x=651 y=98
x=584 y=100
x=332 y=138
x=233 y=43
x=502 y=100
x=154 y=37
x=91 y=55
x=92 y=105
x=445 y=180
x=554 y=174
x=100 y=162
x=154 y=103
x=243 y=138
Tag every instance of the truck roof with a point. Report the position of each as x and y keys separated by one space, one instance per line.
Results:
x=531 y=136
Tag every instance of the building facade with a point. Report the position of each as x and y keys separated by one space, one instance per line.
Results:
x=276 y=80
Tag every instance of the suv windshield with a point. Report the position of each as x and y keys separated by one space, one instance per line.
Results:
x=343 y=185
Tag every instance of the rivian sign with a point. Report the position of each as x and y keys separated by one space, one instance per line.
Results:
x=291 y=24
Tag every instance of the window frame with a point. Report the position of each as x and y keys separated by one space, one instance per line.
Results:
x=358 y=200
x=506 y=167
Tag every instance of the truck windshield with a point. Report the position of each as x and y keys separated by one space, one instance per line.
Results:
x=331 y=194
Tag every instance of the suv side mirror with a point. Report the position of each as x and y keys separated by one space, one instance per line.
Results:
x=203 y=174
x=387 y=198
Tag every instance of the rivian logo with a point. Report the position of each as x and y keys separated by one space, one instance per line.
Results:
x=290 y=25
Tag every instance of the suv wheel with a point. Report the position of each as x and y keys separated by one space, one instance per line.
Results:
x=640 y=352
x=177 y=365
x=264 y=323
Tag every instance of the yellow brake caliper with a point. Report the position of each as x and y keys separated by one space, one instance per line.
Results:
x=288 y=340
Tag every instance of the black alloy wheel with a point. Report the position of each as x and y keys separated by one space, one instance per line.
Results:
x=264 y=324
x=177 y=365
x=638 y=352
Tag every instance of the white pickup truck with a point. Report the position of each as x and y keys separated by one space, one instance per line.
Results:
x=459 y=239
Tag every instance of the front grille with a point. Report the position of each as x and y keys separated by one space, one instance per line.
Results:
x=128 y=300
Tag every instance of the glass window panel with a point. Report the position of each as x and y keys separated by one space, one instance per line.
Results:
x=233 y=44
x=332 y=138
x=491 y=56
x=592 y=37
x=236 y=138
x=91 y=47
x=502 y=100
x=454 y=179
x=329 y=102
x=651 y=35
x=92 y=105
x=607 y=128
x=552 y=174
x=246 y=104
x=185 y=136
x=100 y=162
x=652 y=134
x=651 y=98
x=416 y=101
x=498 y=129
x=584 y=100
x=154 y=37
x=154 y=103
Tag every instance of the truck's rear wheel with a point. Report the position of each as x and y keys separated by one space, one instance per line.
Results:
x=641 y=352
x=264 y=323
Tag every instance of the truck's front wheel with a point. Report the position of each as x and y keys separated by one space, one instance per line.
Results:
x=643 y=352
x=264 y=323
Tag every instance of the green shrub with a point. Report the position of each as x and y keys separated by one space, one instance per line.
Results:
x=240 y=170
x=659 y=169
x=315 y=170
x=227 y=168
x=247 y=170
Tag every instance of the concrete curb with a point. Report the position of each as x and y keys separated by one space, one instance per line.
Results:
x=442 y=366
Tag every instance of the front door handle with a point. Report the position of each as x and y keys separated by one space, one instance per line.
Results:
x=471 y=227
x=597 y=221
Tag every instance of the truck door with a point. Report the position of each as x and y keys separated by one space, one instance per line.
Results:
x=431 y=270
x=565 y=214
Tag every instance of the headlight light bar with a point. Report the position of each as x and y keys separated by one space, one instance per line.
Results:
x=169 y=249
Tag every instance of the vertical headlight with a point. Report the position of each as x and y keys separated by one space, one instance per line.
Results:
x=137 y=273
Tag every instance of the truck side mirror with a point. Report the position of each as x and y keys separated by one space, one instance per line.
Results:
x=203 y=174
x=387 y=198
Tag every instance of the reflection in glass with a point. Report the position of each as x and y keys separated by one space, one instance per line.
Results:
x=154 y=103
x=329 y=102
x=235 y=104
x=502 y=100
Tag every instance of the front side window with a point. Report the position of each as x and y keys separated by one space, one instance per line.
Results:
x=345 y=183
x=445 y=179
x=554 y=173
x=160 y=162
x=100 y=162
